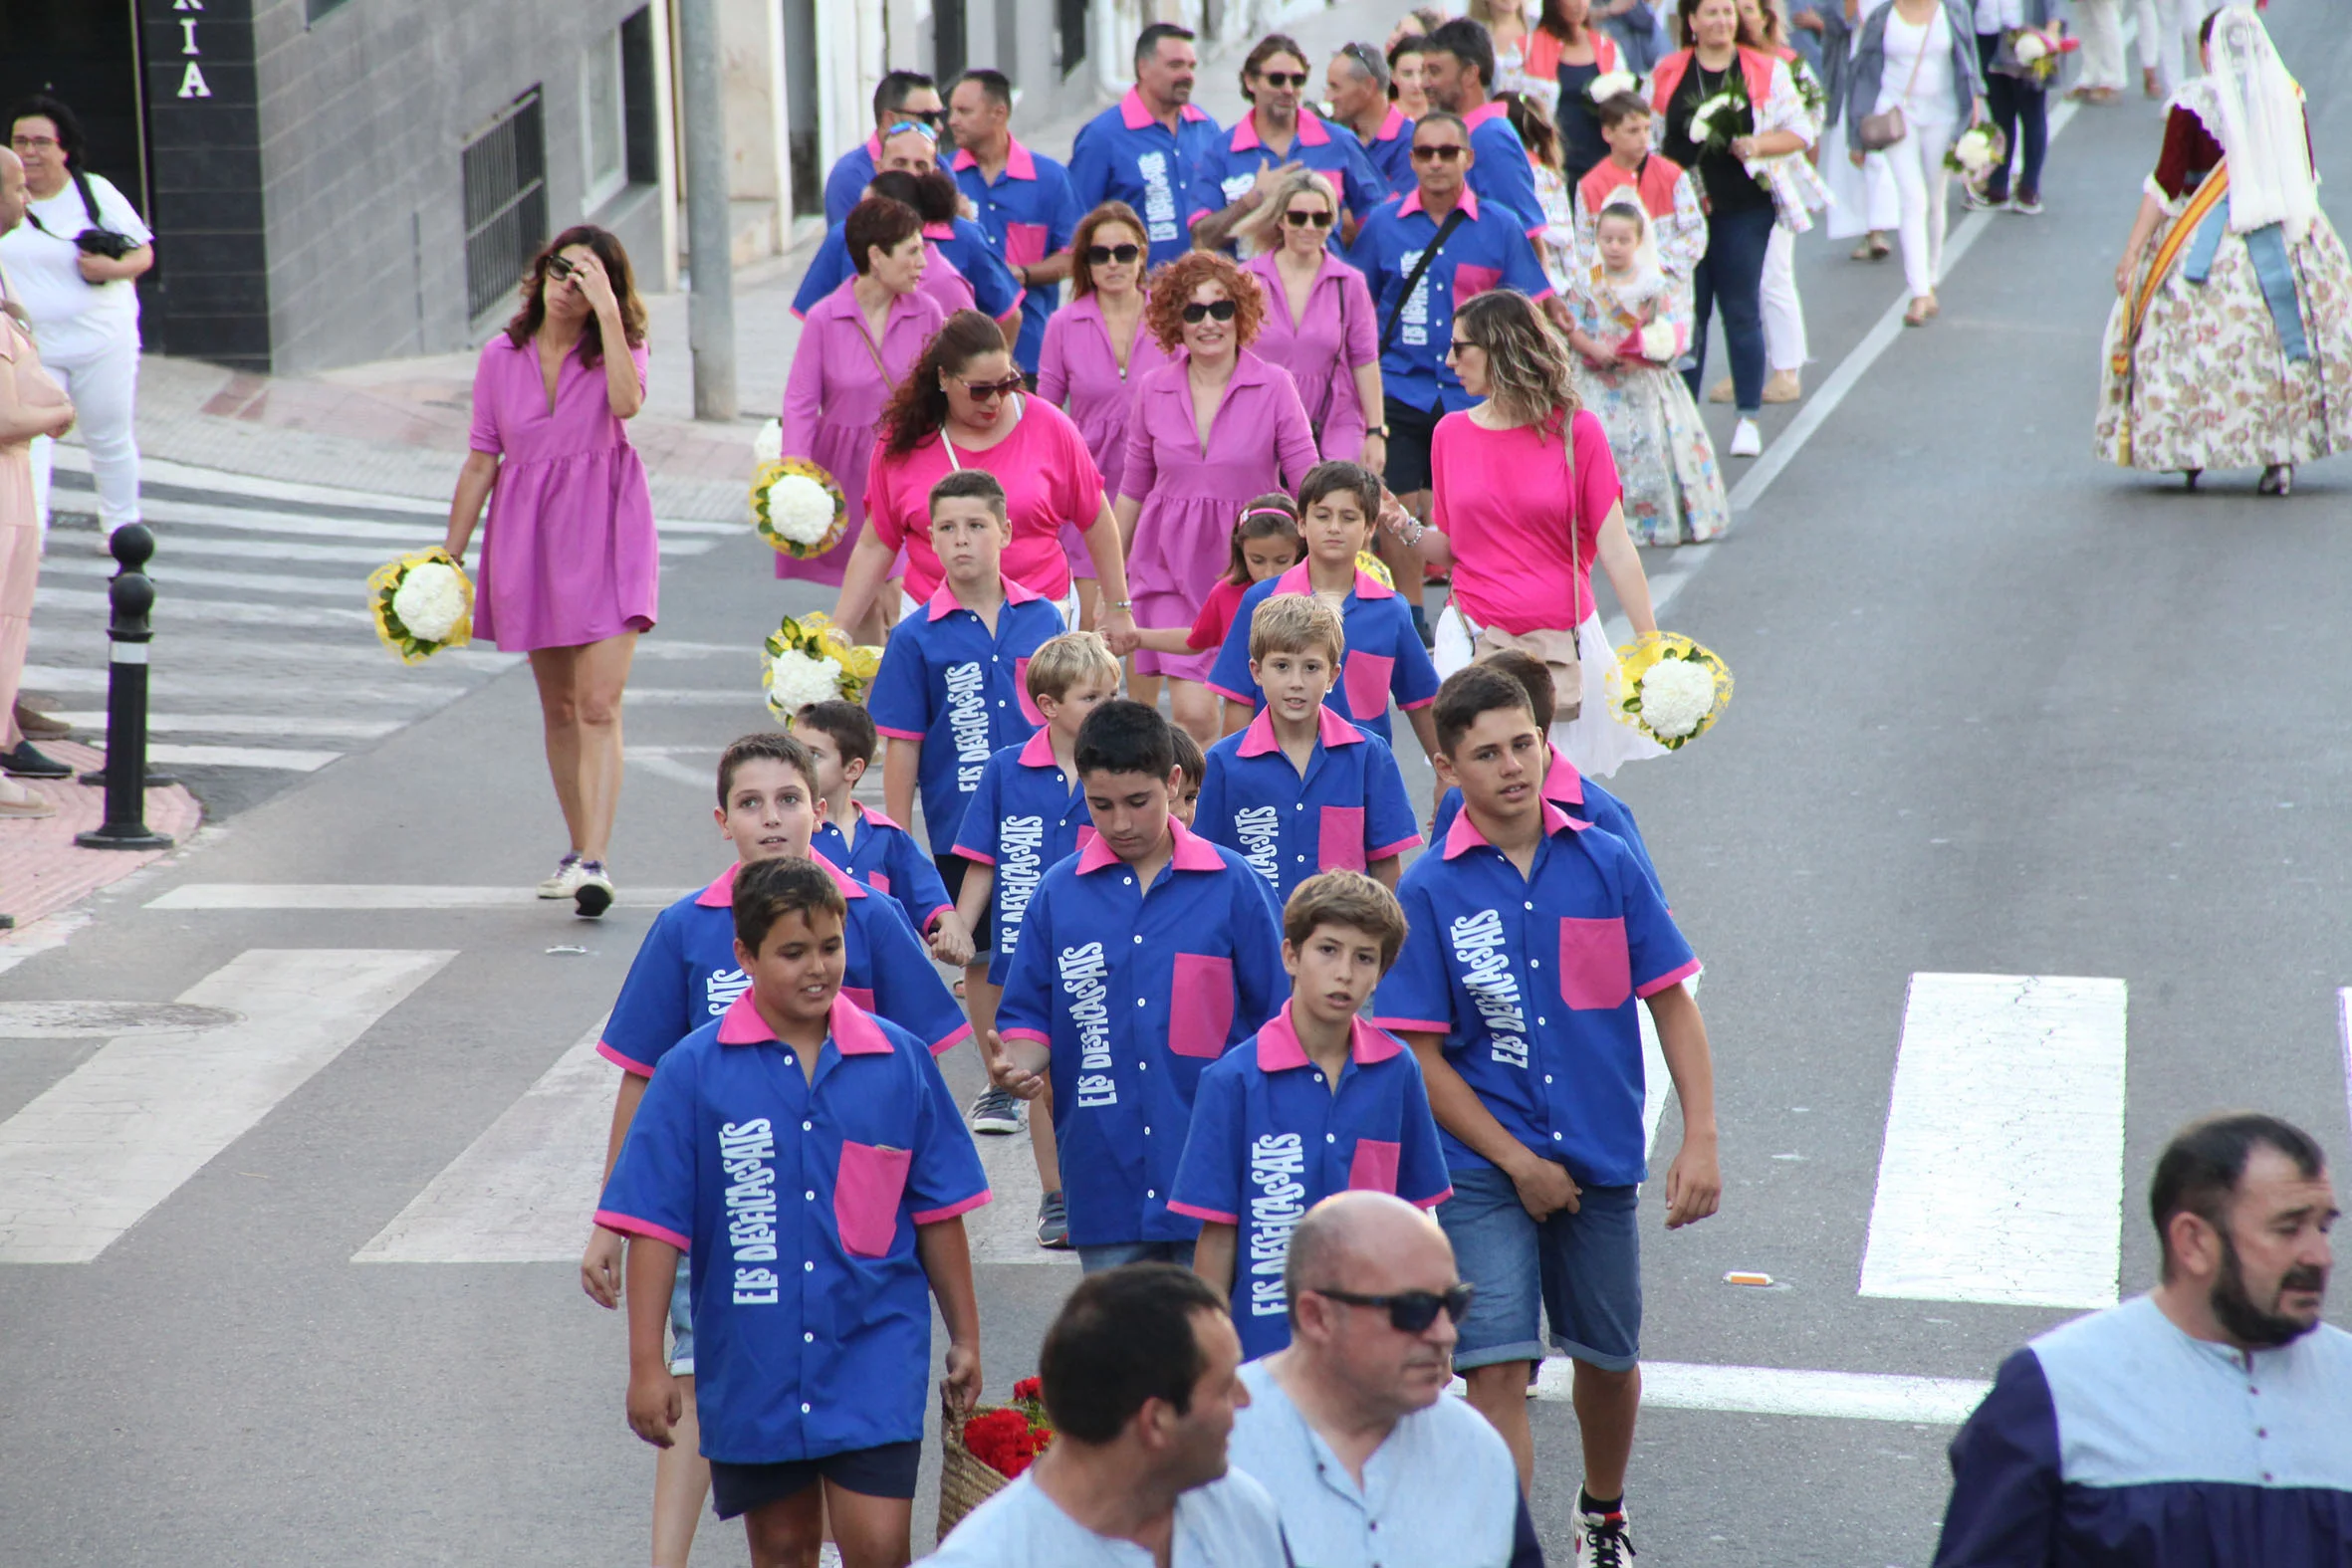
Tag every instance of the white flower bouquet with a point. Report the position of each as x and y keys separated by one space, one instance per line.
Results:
x=421 y=603
x=810 y=660
x=1721 y=120
x=1660 y=343
x=798 y=508
x=1975 y=151
x=1669 y=688
x=1609 y=83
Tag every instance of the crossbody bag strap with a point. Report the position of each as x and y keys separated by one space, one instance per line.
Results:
x=1445 y=231
x=1927 y=35
x=1567 y=452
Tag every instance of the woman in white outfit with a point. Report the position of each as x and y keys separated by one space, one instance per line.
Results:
x=1920 y=56
x=84 y=304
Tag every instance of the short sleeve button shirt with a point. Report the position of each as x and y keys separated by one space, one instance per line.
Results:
x=1029 y=213
x=798 y=1202
x=1125 y=155
x=1027 y=817
x=1384 y=655
x=1532 y=983
x=1134 y=992
x=1489 y=250
x=888 y=859
x=1271 y=1139
x=685 y=974
x=1579 y=798
x=946 y=682
x=1348 y=810
x=1232 y=166
x=1500 y=171
x=1391 y=151
x=845 y=181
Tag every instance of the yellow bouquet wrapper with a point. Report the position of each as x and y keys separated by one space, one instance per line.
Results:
x=383 y=583
x=1683 y=697
x=785 y=467
x=816 y=637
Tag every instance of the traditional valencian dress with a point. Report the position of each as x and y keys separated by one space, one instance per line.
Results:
x=2234 y=348
x=1674 y=491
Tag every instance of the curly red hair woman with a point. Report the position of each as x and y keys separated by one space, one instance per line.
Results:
x=1173 y=285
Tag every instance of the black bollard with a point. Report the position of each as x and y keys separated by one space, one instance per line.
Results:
x=132 y=595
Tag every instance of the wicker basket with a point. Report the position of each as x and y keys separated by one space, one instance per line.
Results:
x=964 y=1482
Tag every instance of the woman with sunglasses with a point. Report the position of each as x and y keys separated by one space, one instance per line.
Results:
x=961 y=406
x=856 y=346
x=1212 y=428
x=569 y=571
x=1319 y=324
x=1095 y=352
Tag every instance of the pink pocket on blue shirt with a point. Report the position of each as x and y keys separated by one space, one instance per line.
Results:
x=1365 y=681
x=1025 y=244
x=866 y=1191
x=1469 y=281
x=1596 y=969
x=1200 y=1006
x=1028 y=709
x=1341 y=845
x=1373 y=1170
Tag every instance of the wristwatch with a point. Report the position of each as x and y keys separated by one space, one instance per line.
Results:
x=1378 y=430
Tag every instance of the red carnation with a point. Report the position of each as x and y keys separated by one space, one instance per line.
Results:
x=1030 y=1389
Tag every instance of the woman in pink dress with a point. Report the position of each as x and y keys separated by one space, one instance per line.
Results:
x=1095 y=350
x=856 y=347
x=1319 y=324
x=31 y=404
x=962 y=406
x=1212 y=429
x=570 y=570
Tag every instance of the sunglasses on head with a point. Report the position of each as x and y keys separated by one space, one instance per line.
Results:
x=921 y=127
x=989 y=392
x=1282 y=79
x=1411 y=1311
x=1221 y=311
x=1104 y=255
x=1306 y=220
x=1441 y=152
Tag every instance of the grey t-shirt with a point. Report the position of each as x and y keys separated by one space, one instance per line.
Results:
x=1228 y=1523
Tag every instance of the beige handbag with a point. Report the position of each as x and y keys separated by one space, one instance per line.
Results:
x=1877 y=132
x=1556 y=649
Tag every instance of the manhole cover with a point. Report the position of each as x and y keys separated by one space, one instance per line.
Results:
x=72 y=1020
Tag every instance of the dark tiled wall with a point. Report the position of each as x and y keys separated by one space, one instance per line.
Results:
x=210 y=297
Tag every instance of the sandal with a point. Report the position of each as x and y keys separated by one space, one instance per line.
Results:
x=2277 y=480
x=1919 y=314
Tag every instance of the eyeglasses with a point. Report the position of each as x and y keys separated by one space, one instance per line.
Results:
x=33 y=144
x=1411 y=1311
x=1282 y=79
x=919 y=126
x=1104 y=255
x=1304 y=220
x=560 y=269
x=1441 y=152
x=1221 y=311
x=990 y=391
x=930 y=117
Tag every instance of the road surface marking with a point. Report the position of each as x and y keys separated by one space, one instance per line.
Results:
x=291 y=725
x=524 y=1191
x=748 y=697
x=2344 y=1040
x=385 y=694
x=671 y=769
x=382 y=895
x=287 y=760
x=99 y=1148
x=1779 y=1391
x=2002 y=1178
x=175 y=613
x=170 y=576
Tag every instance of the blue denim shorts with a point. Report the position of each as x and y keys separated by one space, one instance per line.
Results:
x=682 y=1322
x=1095 y=1259
x=1582 y=1270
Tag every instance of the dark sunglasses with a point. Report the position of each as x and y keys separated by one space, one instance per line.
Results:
x=560 y=269
x=1282 y=79
x=986 y=392
x=1104 y=255
x=1222 y=311
x=1411 y=1311
x=930 y=117
x=1443 y=153
x=1307 y=220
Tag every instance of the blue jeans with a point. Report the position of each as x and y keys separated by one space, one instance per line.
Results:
x=2017 y=106
x=1582 y=1270
x=1731 y=274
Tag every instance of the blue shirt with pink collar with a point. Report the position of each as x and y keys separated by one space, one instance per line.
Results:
x=1125 y=155
x=962 y=691
x=1384 y=655
x=1271 y=1139
x=1027 y=817
x=685 y=974
x=1348 y=810
x=888 y=859
x=1230 y=165
x=1133 y=991
x=1579 y=797
x=798 y=1199
x=1533 y=981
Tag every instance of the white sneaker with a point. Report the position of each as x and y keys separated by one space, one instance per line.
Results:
x=1600 y=1540
x=592 y=895
x=829 y=1556
x=1747 y=440
x=565 y=881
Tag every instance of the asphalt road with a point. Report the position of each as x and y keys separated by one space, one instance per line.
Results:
x=1999 y=711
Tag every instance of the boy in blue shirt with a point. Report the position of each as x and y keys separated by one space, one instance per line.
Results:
x=1531 y=937
x=1027 y=817
x=1303 y=791
x=1338 y=510
x=1143 y=956
x=1320 y=1102
x=863 y=842
x=811 y=1316
x=686 y=973
x=1192 y=769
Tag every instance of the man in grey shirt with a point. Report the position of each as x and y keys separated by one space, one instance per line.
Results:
x=1350 y=1428
x=1139 y=1374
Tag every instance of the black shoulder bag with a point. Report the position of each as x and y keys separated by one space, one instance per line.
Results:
x=97 y=239
x=1445 y=231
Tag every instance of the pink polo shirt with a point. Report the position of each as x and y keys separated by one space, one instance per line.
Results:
x=1050 y=480
x=1501 y=499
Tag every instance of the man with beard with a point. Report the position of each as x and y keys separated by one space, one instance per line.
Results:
x=2206 y=1423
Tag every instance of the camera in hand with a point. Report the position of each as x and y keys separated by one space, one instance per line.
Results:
x=105 y=242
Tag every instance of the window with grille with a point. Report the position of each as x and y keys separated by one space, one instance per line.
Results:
x=505 y=174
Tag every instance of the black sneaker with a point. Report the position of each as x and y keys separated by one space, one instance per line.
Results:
x=1053 y=1221
x=30 y=762
x=592 y=895
x=996 y=1112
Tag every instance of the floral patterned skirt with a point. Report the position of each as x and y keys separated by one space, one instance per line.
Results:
x=1674 y=491
x=2208 y=385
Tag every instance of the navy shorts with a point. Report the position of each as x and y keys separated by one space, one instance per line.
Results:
x=888 y=1471
x=1581 y=1270
x=951 y=871
x=1410 y=431
x=1113 y=1254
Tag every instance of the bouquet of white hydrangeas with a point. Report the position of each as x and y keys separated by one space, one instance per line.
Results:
x=421 y=603
x=1975 y=151
x=798 y=508
x=1669 y=688
x=1609 y=83
x=1660 y=343
x=809 y=660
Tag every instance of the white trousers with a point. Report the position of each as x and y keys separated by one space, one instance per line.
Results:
x=1596 y=743
x=1917 y=162
x=104 y=384
x=1784 y=311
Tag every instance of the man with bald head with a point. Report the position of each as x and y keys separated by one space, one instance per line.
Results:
x=1350 y=1430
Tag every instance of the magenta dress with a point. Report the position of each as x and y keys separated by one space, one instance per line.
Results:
x=1078 y=372
x=1259 y=440
x=569 y=553
x=834 y=395
x=1323 y=351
